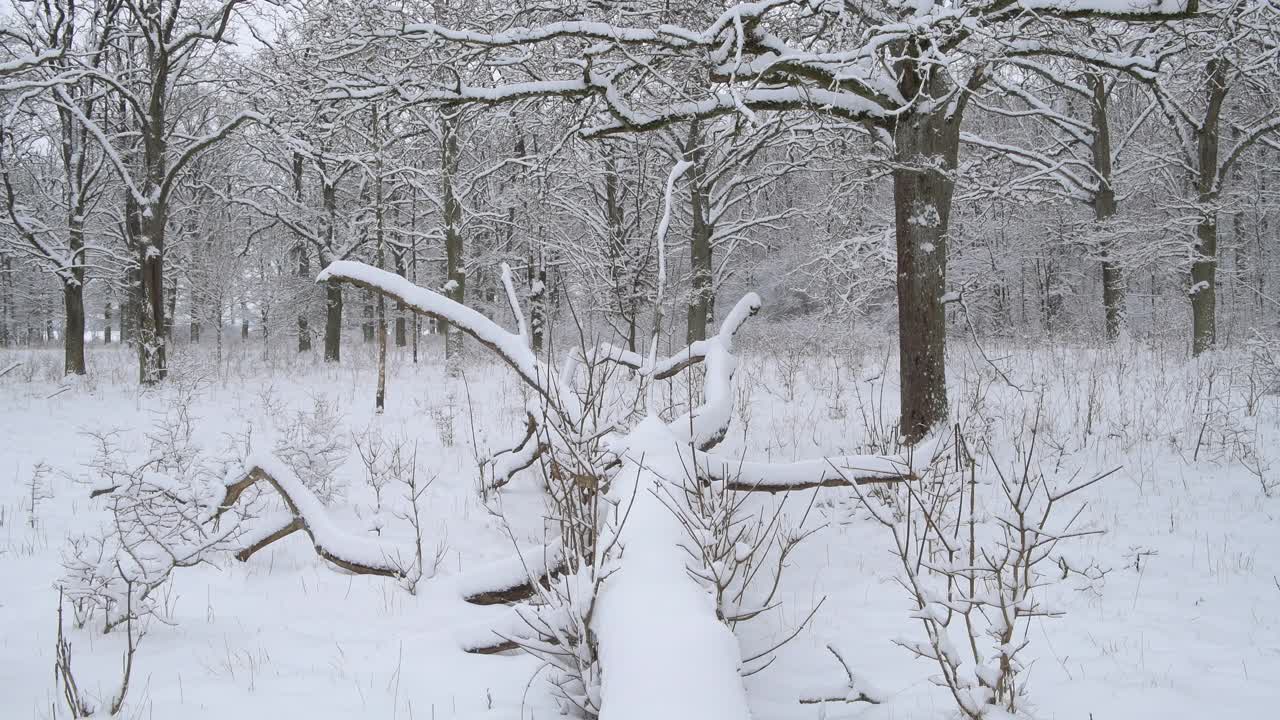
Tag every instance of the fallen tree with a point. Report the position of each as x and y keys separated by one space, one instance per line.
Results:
x=648 y=643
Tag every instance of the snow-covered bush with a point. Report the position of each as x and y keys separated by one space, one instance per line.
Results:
x=162 y=513
x=313 y=444
x=980 y=548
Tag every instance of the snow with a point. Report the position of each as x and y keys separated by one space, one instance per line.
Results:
x=1183 y=624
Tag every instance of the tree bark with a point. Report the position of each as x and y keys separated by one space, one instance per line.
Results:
x=73 y=329
x=333 y=292
x=1104 y=205
x=1204 y=267
x=152 y=356
x=154 y=217
x=333 y=322
x=926 y=147
x=701 y=292
x=455 y=271
x=304 y=259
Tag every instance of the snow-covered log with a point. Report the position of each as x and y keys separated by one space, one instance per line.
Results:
x=360 y=555
x=511 y=347
x=663 y=651
x=512 y=580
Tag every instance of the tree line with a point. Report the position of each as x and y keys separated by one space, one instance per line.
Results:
x=1049 y=167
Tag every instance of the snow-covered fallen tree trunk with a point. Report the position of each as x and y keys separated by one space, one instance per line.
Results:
x=632 y=631
x=663 y=652
x=357 y=554
x=745 y=476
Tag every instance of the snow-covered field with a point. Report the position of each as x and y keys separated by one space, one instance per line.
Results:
x=1176 y=616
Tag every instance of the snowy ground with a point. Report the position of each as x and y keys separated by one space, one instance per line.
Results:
x=1184 y=624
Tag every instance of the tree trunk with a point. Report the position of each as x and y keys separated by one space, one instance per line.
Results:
x=926 y=148
x=380 y=398
x=455 y=271
x=154 y=363
x=1203 y=292
x=333 y=322
x=333 y=292
x=615 y=246
x=402 y=334
x=73 y=329
x=304 y=258
x=537 y=303
x=701 y=292
x=131 y=308
x=1104 y=205
x=106 y=323
x=154 y=218
x=6 y=301
x=1204 y=268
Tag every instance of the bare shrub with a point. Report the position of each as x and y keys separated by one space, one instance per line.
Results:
x=976 y=565
x=312 y=444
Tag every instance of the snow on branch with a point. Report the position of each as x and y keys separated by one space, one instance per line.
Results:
x=360 y=555
x=511 y=347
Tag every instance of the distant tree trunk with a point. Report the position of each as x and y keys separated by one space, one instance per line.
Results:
x=455 y=270
x=304 y=259
x=1204 y=267
x=413 y=262
x=381 y=395
x=1104 y=205
x=926 y=148
x=368 y=328
x=402 y=335
x=6 y=301
x=106 y=323
x=702 y=292
x=131 y=308
x=333 y=290
x=615 y=246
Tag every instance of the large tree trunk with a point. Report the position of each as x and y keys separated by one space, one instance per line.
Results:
x=1104 y=205
x=455 y=271
x=73 y=329
x=1204 y=269
x=926 y=148
x=1203 y=292
x=153 y=357
x=154 y=217
x=701 y=292
x=106 y=323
